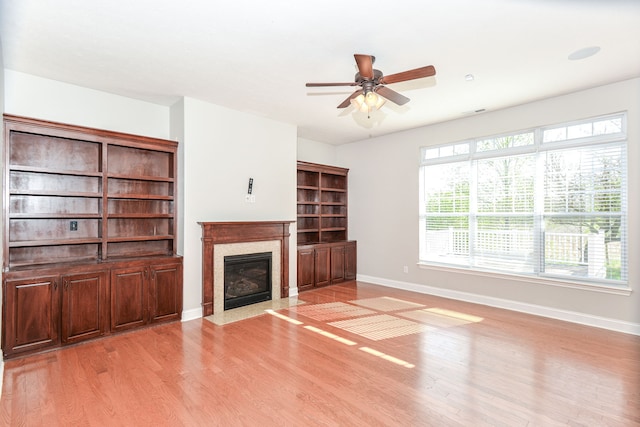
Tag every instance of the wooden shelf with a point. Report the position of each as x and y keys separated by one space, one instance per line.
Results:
x=138 y=238
x=16 y=192
x=56 y=172
x=55 y=242
x=89 y=234
x=140 y=196
x=54 y=216
x=141 y=178
x=322 y=203
x=53 y=171
x=140 y=215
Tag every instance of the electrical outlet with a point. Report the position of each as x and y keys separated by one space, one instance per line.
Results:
x=405 y=269
x=73 y=225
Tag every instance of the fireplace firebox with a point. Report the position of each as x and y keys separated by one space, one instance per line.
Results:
x=247 y=279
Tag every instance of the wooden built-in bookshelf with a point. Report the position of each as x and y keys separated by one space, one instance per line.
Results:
x=82 y=206
x=322 y=226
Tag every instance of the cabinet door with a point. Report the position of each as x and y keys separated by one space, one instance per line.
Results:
x=306 y=272
x=166 y=292
x=31 y=314
x=350 y=261
x=321 y=264
x=129 y=297
x=337 y=264
x=85 y=310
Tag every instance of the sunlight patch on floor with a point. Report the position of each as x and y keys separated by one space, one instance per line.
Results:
x=456 y=314
x=380 y=327
x=331 y=311
x=441 y=318
x=283 y=317
x=386 y=303
x=330 y=335
x=387 y=357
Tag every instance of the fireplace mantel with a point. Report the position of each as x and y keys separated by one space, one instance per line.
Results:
x=217 y=233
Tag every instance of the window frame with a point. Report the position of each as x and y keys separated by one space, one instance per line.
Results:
x=538 y=148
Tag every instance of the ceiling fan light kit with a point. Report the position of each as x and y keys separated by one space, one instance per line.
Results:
x=367 y=103
x=373 y=90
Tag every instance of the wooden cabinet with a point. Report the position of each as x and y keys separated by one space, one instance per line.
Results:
x=306 y=268
x=64 y=305
x=85 y=306
x=166 y=292
x=322 y=227
x=129 y=289
x=337 y=263
x=322 y=266
x=350 y=260
x=145 y=293
x=326 y=264
x=89 y=217
x=31 y=314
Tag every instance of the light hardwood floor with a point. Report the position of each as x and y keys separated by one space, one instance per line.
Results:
x=352 y=355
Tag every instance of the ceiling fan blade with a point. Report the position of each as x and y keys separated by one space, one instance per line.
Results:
x=392 y=95
x=347 y=101
x=365 y=65
x=417 y=73
x=330 y=84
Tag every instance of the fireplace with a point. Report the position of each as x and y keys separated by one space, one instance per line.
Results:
x=247 y=279
x=226 y=239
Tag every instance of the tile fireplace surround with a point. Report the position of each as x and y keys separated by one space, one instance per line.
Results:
x=220 y=239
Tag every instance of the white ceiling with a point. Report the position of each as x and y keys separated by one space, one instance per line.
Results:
x=256 y=56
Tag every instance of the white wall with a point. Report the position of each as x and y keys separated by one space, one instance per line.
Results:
x=222 y=150
x=317 y=152
x=36 y=97
x=383 y=210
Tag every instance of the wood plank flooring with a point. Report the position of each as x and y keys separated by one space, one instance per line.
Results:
x=353 y=355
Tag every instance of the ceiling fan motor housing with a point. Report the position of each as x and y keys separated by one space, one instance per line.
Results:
x=377 y=75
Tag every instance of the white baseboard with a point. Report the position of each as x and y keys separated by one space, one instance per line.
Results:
x=194 y=313
x=554 y=313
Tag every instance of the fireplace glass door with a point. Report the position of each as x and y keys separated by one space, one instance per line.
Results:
x=247 y=279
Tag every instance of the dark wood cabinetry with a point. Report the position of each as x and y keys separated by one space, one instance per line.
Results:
x=129 y=288
x=89 y=233
x=166 y=292
x=325 y=264
x=322 y=203
x=325 y=256
x=85 y=306
x=322 y=266
x=31 y=314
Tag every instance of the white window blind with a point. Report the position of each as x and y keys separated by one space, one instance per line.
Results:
x=545 y=202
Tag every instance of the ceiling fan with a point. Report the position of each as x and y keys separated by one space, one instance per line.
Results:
x=373 y=84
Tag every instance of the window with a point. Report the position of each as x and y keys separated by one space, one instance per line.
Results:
x=547 y=202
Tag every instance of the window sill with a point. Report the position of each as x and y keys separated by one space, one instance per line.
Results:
x=548 y=281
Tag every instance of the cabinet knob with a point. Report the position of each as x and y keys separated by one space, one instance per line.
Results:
x=55 y=285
